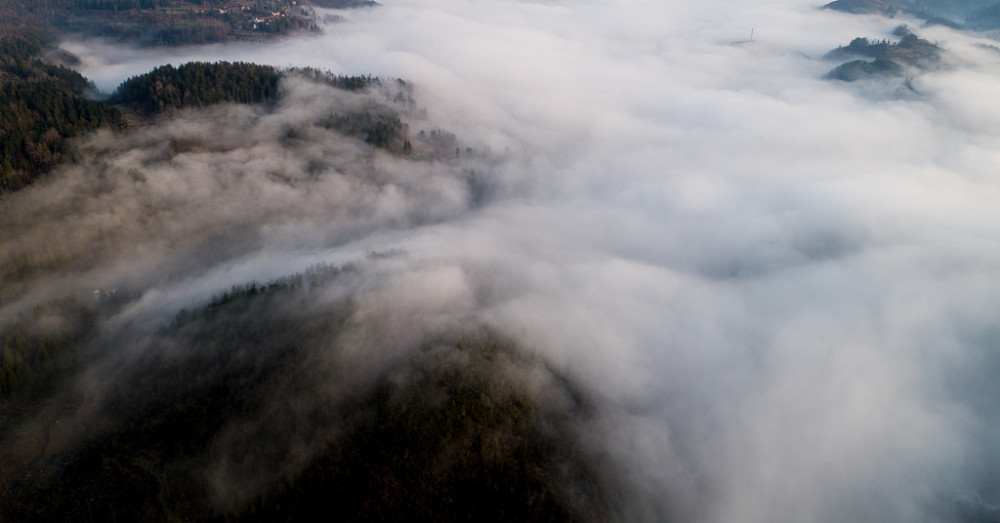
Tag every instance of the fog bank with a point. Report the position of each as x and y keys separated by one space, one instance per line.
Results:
x=781 y=289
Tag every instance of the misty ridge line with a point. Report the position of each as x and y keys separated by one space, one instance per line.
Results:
x=306 y=415
x=799 y=328
x=212 y=159
x=180 y=170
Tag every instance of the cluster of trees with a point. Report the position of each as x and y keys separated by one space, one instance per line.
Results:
x=36 y=119
x=442 y=140
x=450 y=433
x=887 y=58
x=909 y=49
x=377 y=125
x=41 y=107
x=192 y=33
x=861 y=69
x=348 y=83
x=30 y=354
x=198 y=84
x=979 y=15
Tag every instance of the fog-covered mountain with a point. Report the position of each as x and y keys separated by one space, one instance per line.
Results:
x=532 y=261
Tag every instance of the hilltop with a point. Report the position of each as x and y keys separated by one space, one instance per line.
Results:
x=882 y=58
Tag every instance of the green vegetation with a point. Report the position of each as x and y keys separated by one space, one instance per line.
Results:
x=41 y=106
x=348 y=83
x=863 y=69
x=36 y=119
x=910 y=49
x=447 y=437
x=887 y=58
x=376 y=124
x=249 y=391
x=198 y=84
x=231 y=412
x=36 y=348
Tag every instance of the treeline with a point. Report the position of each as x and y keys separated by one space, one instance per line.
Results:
x=909 y=49
x=41 y=106
x=376 y=125
x=197 y=84
x=348 y=83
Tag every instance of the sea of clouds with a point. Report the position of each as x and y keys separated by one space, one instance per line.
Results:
x=782 y=290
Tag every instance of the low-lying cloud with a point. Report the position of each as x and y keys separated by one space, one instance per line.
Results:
x=781 y=290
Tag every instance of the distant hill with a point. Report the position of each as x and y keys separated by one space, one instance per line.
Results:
x=169 y=22
x=985 y=19
x=887 y=7
x=963 y=14
x=886 y=58
x=863 y=69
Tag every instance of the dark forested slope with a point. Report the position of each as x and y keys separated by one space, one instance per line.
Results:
x=198 y=84
x=248 y=410
x=41 y=106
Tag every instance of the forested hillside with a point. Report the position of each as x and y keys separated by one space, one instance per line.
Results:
x=198 y=84
x=883 y=58
x=457 y=431
x=41 y=107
